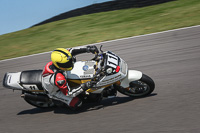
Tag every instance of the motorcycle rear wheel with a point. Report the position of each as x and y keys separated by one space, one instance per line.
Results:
x=139 y=88
x=40 y=104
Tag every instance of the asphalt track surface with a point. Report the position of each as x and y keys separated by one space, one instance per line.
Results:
x=171 y=58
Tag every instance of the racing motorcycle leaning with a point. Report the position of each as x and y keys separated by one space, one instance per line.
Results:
x=109 y=72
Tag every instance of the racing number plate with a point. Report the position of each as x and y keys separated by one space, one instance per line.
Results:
x=112 y=61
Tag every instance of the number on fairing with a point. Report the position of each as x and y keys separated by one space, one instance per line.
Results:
x=112 y=61
x=31 y=87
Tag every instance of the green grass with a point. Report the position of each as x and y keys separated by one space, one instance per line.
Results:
x=100 y=27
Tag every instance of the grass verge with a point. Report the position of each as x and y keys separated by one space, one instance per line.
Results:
x=100 y=27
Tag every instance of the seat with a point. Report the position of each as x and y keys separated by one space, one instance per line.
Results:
x=31 y=77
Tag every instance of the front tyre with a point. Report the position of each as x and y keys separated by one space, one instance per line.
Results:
x=139 y=88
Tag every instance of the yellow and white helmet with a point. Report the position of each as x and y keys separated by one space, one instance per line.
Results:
x=62 y=59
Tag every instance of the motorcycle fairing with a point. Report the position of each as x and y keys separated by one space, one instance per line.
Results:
x=82 y=70
x=25 y=80
x=12 y=80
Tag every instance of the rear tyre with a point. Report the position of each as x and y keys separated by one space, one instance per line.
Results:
x=39 y=103
x=139 y=88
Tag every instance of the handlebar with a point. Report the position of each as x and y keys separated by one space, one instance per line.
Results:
x=97 y=54
x=99 y=59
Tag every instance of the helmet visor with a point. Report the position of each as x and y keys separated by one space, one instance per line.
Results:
x=68 y=64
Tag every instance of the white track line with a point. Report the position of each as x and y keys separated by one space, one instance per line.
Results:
x=108 y=41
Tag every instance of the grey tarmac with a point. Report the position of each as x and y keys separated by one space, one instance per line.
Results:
x=171 y=58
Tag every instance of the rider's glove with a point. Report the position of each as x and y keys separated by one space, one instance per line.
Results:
x=88 y=85
x=92 y=49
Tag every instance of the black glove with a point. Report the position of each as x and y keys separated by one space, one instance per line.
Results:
x=88 y=85
x=92 y=49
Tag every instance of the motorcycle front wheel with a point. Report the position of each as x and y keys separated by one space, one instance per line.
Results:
x=139 y=88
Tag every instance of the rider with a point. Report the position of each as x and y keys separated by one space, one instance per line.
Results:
x=54 y=80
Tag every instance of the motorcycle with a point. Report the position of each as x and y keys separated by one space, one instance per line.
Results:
x=108 y=70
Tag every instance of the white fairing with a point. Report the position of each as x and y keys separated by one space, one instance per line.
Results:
x=82 y=70
x=113 y=62
x=132 y=75
x=12 y=80
x=110 y=79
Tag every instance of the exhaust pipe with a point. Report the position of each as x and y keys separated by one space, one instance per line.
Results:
x=32 y=97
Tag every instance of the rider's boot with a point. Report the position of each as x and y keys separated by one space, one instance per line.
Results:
x=72 y=102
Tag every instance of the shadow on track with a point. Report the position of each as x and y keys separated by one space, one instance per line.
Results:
x=85 y=108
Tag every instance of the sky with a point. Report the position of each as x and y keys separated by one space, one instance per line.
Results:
x=17 y=15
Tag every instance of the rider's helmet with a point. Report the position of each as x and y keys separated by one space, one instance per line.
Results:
x=62 y=59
